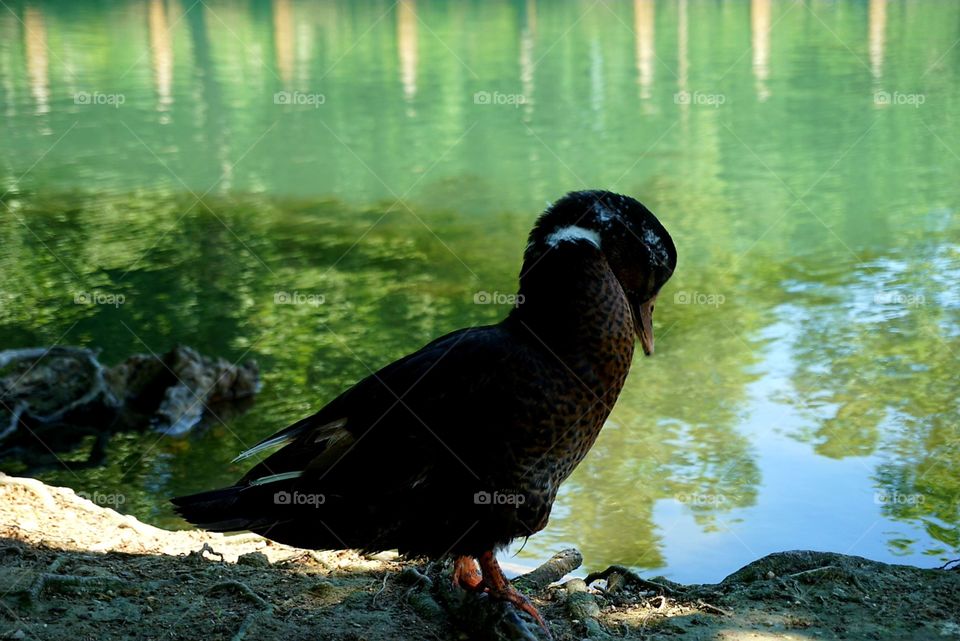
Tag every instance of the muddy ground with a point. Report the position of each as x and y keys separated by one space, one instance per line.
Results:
x=71 y=570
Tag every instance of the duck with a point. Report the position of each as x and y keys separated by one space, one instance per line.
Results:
x=459 y=448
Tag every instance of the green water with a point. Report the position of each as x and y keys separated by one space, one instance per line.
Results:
x=803 y=155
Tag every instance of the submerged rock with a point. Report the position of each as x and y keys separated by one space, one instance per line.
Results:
x=185 y=381
x=65 y=393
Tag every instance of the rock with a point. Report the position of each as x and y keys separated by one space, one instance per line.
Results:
x=254 y=559
x=573 y=586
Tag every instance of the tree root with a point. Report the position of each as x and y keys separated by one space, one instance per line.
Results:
x=709 y=607
x=383 y=587
x=559 y=565
x=241 y=587
x=46 y=581
x=198 y=554
x=50 y=580
x=631 y=577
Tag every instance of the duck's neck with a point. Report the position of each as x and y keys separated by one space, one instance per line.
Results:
x=574 y=306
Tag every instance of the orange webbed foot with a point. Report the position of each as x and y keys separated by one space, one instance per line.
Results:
x=499 y=587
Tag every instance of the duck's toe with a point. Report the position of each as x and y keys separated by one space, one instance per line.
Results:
x=499 y=587
x=466 y=574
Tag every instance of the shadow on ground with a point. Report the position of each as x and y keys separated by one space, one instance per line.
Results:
x=72 y=570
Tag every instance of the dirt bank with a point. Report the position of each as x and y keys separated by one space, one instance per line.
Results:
x=71 y=570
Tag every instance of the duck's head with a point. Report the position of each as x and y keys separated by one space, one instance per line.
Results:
x=638 y=249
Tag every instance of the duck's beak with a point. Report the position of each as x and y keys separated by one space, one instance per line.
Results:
x=645 y=325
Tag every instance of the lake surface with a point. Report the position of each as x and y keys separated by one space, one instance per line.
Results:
x=198 y=159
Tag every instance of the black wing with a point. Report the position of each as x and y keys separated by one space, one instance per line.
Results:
x=436 y=416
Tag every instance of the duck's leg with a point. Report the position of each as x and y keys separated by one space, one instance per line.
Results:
x=498 y=587
x=466 y=574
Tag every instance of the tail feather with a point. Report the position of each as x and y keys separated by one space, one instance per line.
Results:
x=216 y=510
x=257 y=508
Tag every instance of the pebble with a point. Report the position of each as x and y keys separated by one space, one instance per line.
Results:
x=574 y=586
